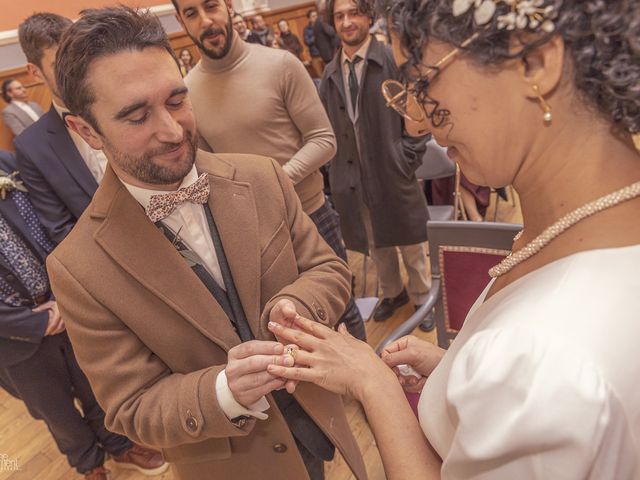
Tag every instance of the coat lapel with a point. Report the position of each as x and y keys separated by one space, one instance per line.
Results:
x=334 y=72
x=66 y=151
x=234 y=211
x=137 y=246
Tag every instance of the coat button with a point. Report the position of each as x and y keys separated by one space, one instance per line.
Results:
x=350 y=161
x=322 y=315
x=191 y=422
x=279 y=448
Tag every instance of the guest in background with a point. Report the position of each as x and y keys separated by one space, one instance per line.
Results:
x=262 y=31
x=20 y=113
x=240 y=26
x=283 y=119
x=289 y=40
x=37 y=364
x=317 y=64
x=326 y=40
x=59 y=168
x=185 y=60
x=475 y=198
x=372 y=177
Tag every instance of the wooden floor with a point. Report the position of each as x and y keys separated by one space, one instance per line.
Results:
x=26 y=443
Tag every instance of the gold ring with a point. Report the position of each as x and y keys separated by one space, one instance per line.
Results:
x=292 y=352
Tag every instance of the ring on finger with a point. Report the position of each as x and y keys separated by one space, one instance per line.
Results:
x=292 y=352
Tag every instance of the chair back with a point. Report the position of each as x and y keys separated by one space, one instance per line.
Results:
x=435 y=163
x=461 y=254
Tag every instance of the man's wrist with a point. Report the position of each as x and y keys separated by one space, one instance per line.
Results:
x=234 y=409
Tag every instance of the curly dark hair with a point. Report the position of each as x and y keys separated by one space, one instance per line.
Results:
x=602 y=38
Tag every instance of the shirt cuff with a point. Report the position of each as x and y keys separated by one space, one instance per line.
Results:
x=231 y=407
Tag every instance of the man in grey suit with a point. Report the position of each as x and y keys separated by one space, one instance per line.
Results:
x=19 y=113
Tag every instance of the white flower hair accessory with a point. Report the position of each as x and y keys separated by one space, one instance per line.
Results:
x=531 y=14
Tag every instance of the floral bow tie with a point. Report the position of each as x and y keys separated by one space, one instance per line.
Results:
x=163 y=205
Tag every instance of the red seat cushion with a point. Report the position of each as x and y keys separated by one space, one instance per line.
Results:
x=464 y=274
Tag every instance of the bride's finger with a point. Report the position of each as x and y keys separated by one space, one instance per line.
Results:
x=313 y=328
x=294 y=373
x=292 y=335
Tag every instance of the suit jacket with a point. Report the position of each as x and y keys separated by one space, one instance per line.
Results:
x=152 y=339
x=17 y=119
x=60 y=183
x=375 y=160
x=21 y=330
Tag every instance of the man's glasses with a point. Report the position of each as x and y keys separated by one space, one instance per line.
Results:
x=405 y=100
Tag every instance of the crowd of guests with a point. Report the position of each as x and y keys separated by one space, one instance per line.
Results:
x=170 y=260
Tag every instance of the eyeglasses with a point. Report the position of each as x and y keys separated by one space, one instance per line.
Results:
x=404 y=100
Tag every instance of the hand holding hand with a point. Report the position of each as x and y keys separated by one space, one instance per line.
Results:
x=246 y=370
x=409 y=350
x=332 y=360
x=55 y=323
x=284 y=313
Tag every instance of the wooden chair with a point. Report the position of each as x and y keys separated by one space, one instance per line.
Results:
x=460 y=254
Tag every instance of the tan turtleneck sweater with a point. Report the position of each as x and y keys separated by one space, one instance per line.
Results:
x=261 y=100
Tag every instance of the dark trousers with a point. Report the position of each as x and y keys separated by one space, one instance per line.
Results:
x=327 y=221
x=47 y=383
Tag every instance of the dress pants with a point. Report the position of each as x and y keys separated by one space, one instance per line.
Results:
x=47 y=382
x=414 y=258
x=327 y=221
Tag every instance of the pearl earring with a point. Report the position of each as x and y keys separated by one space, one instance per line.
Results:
x=546 y=116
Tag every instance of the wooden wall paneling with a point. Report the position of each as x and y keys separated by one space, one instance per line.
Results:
x=39 y=92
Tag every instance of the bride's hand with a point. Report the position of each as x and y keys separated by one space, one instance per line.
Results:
x=332 y=360
x=409 y=350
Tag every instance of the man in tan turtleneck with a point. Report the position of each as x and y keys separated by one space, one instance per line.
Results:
x=252 y=99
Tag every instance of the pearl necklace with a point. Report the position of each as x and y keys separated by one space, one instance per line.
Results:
x=570 y=219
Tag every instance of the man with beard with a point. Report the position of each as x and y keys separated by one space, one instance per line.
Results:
x=372 y=176
x=261 y=30
x=240 y=26
x=280 y=117
x=167 y=283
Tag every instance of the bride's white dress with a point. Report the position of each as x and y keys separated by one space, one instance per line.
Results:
x=543 y=381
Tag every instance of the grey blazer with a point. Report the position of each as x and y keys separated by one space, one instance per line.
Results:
x=17 y=119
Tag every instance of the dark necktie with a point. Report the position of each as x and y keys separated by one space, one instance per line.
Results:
x=353 y=81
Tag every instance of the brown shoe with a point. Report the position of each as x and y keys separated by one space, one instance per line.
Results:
x=98 y=473
x=145 y=460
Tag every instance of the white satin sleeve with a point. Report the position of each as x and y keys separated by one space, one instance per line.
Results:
x=525 y=406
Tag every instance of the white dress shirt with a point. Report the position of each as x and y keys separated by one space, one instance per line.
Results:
x=95 y=159
x=359 y=68
x=191 y=221
x=26 y=108
x=541 y=381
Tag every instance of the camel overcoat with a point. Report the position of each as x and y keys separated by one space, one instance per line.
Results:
x=152 y=339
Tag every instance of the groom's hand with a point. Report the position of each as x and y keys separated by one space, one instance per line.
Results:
x=284 y=313
x=246 y=370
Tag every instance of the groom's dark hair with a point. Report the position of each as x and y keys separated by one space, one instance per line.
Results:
x=99 y=33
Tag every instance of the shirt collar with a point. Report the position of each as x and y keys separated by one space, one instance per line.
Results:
x=362 y=51
x=143 y=195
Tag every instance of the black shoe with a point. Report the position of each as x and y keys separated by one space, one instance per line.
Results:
x=387 y=306
x=429 y=323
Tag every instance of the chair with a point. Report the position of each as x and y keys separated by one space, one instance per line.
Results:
x=461 y=254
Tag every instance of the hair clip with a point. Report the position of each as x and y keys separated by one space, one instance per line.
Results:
x=531 y=14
